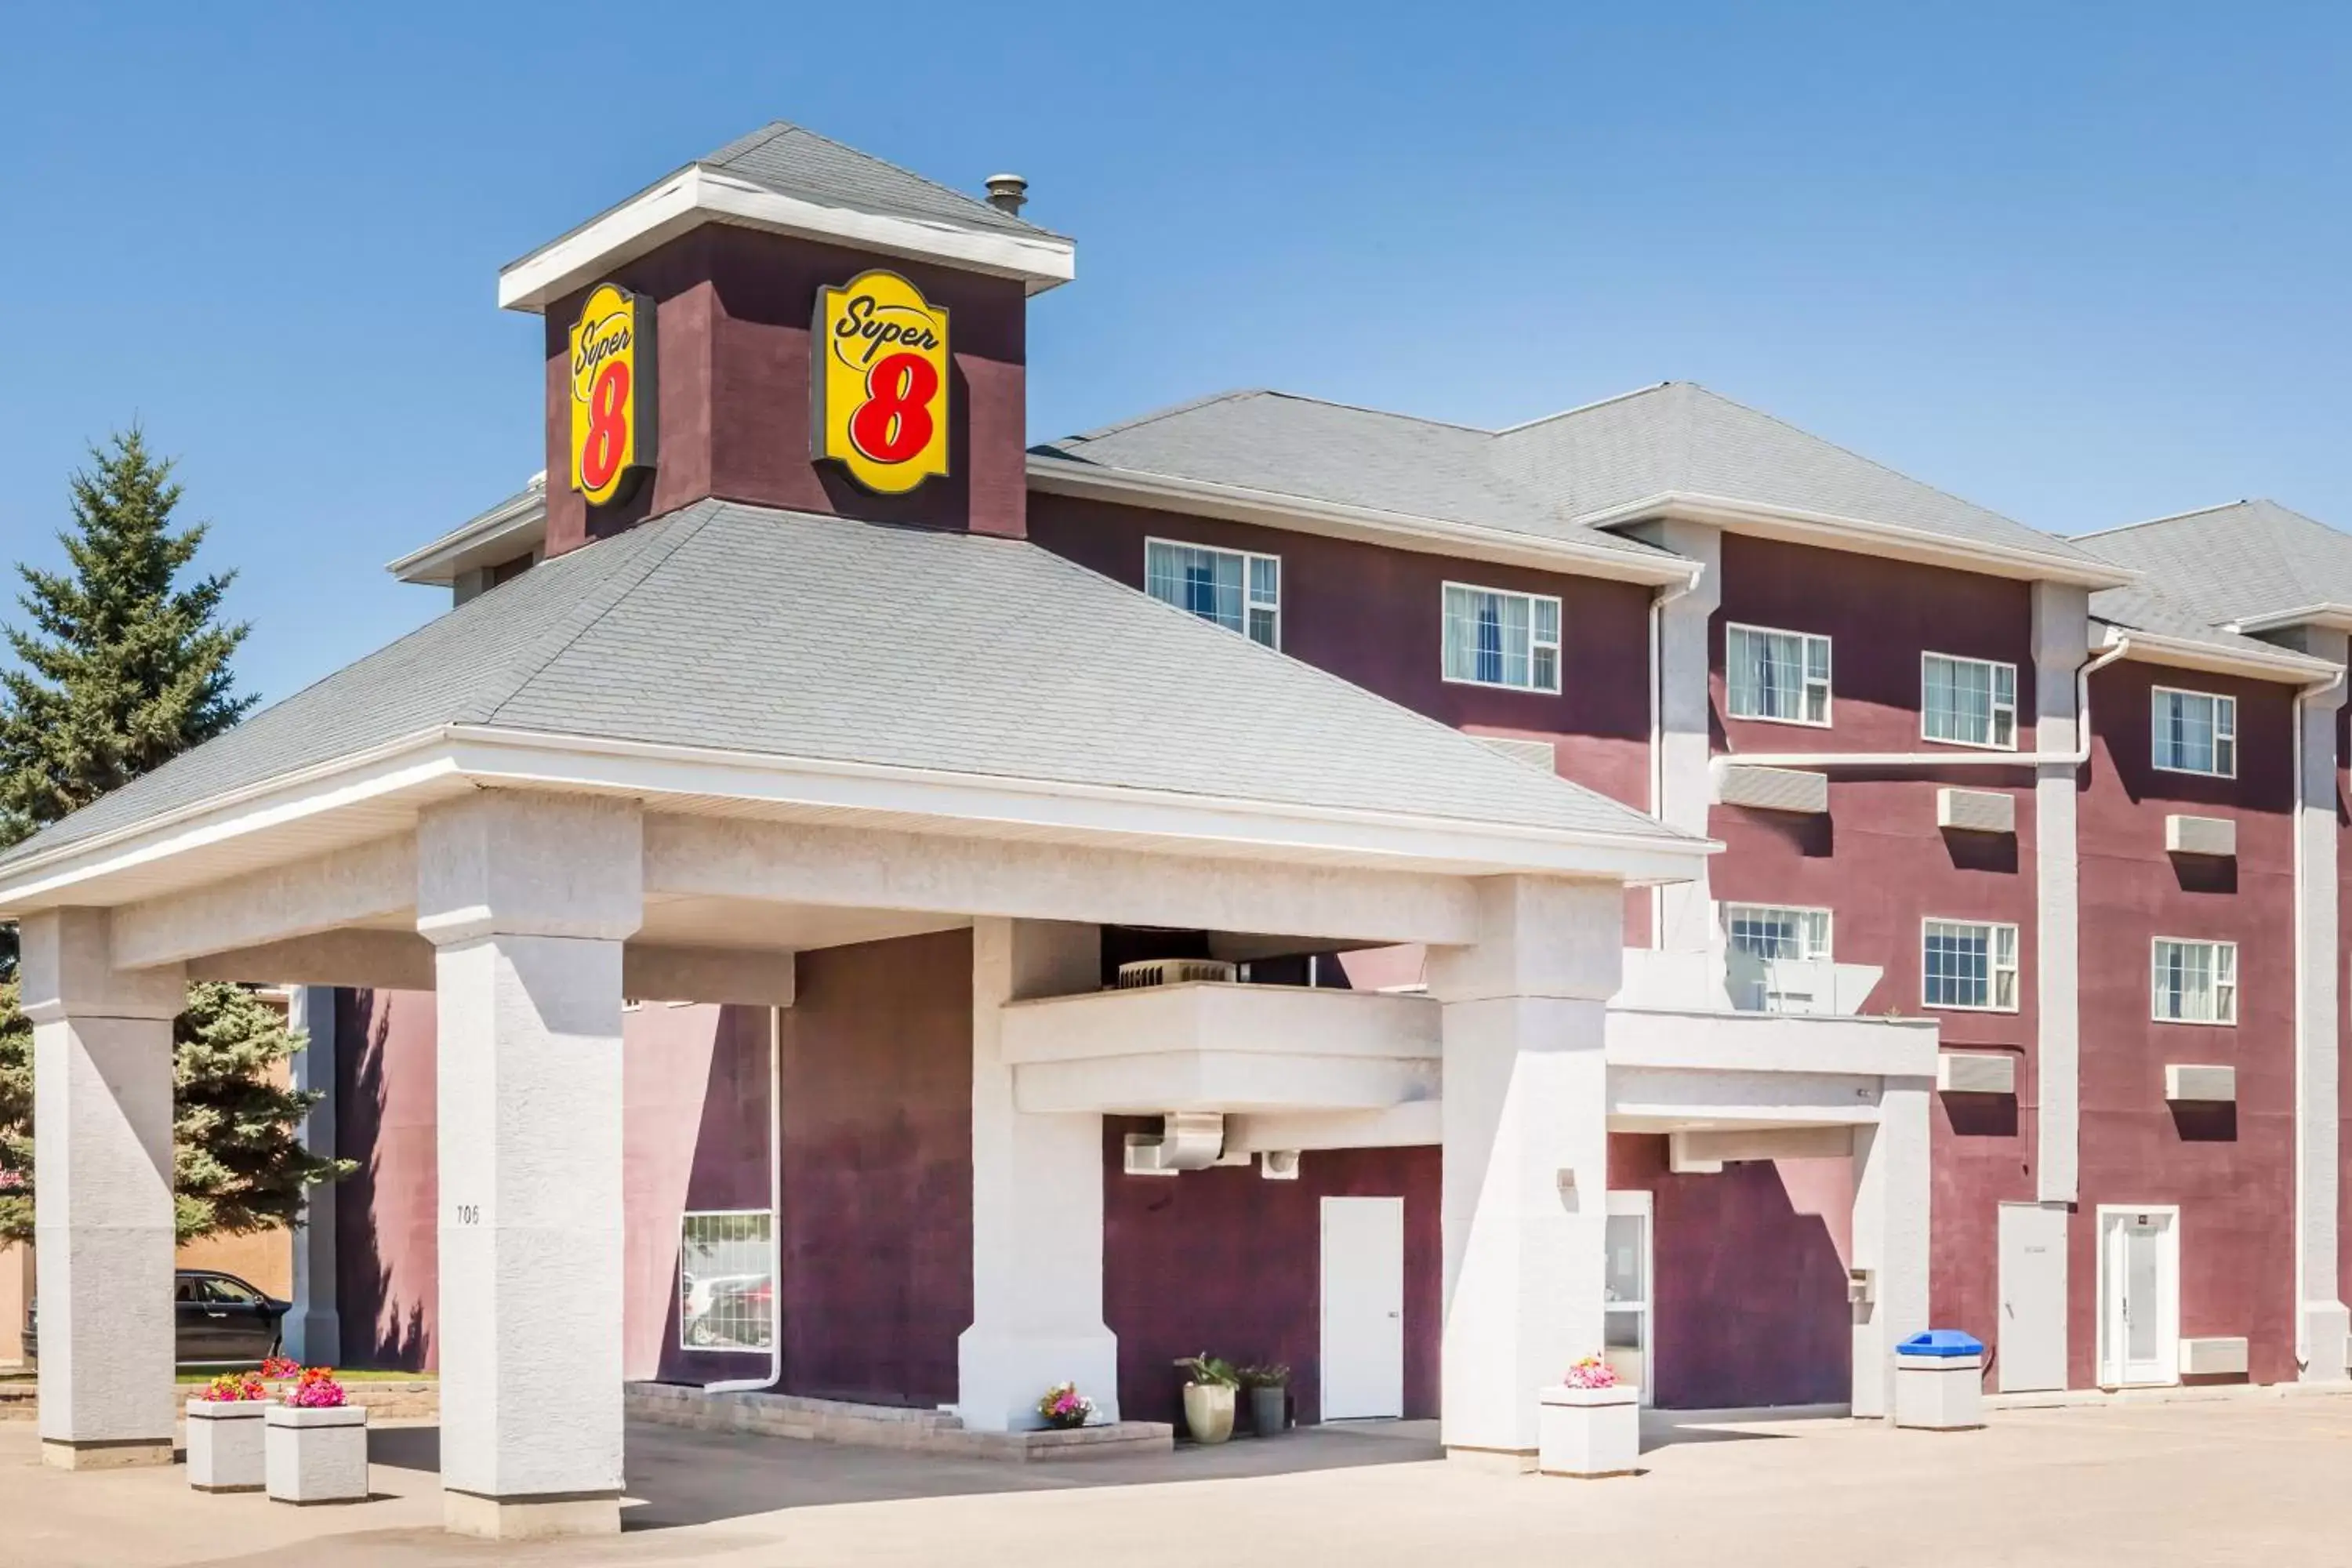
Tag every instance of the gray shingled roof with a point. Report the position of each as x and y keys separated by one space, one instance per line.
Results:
x=2240 y=561
x=795 y=161
x=1554 y=477
x=2144 y=608
x=784 y=634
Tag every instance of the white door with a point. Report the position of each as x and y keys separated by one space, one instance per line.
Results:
x=1363 y=1308
x=2032 y=1352
x=1627 y=1318
x=2139 y=1296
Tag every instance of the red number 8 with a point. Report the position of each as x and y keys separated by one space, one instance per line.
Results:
x=608 y=426
x=894 y=423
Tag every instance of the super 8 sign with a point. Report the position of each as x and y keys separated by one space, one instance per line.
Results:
x=612 y=370
x=881 y=393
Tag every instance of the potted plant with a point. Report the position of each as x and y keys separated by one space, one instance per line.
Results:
x=1590 y=1425
x=225 y=1426
x=1063 y=1407
x=1209 y=1383
x=317 y=1443
x=1269 y=1391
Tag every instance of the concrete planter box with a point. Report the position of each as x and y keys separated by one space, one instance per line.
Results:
x=1939 y=1393
x=316 y=1456
x=1589 y=1432
x=225 y=1443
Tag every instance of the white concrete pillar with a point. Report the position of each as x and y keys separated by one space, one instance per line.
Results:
x=314 y=1334
x=527 y=899
x=2060 y=643
x=102 y=1190
x=1037 y=1201
x=1682 y=913
x=1525 y=1122
x=1891 y=1197
x=2322 y=1328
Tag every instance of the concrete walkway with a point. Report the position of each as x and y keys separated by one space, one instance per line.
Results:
x=2255 y=1480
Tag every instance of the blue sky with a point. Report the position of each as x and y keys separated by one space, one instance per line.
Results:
x=2083 y=264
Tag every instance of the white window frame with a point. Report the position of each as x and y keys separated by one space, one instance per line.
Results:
x=1994 y=713
x=2224 y=707
x=2223 y=963
x=1810 y=921
x=1994 y=965
x=1250 y=601
x=1805 y=643
x=775 y=1283
x=1535 y=643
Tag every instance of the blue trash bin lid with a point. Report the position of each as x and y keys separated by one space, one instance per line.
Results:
x=1941 y=1342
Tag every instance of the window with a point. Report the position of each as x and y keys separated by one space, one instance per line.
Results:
x=1494 y=638
x=1781 y=676
x=2194 y=982
x=1968 y=701
x=2195 y=733
x=1768 y=932
x=1968 y=963
x=1241 y=593
x=726 y=1280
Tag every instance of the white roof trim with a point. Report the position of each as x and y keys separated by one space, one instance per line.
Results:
x=1765 y=521
x=2331 y=616
x=426 y=763
x=1404 y=530
x=499 y=535
x=697 y=195
x=2186 y=653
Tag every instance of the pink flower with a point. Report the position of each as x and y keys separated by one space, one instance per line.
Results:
x=1589 y=1372
x=316 y=1390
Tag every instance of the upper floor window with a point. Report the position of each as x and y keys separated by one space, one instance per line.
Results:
x=1968 y=701
x=1497 y=639
x=1240 y=591
x=1783 y=675
x=2195 y=733
x=1969 y=965
x=1770 y=933
x=2194 y=982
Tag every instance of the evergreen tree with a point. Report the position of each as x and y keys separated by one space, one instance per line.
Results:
x=124 y=668
x=236 y=1162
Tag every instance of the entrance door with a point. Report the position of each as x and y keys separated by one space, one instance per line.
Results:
x=1363 y=1308
x=2139 y=1296
x=2032 y=1352
x=1627 y=1318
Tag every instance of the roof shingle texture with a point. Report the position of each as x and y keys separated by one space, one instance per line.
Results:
x=2250 y=559
x=783 y=634
x=793 y=162
x=1554 y=476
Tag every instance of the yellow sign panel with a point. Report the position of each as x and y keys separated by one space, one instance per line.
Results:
x=611 y=394
x=881 y=394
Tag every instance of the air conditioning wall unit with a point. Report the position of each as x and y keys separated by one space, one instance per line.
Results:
x=2201 y=1083
x=2214 y=836
x=1148 y=972
x=1976 y=1072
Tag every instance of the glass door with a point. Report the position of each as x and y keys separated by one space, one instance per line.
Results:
x=2139 y=1297
x=1626 y=1317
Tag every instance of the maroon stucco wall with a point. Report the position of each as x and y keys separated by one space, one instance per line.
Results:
x=1879 y=861
x=877 y=1170
x=387 y=1235
x=1372 y=616
x=2231 y=1172
x=734 y=308
x=1224 y=1261
x=1747 y=1303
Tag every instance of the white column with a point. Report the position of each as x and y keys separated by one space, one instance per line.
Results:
x=1682 y=913
x=1891 y=1197
x=314 y=1332
x=527 y=899
x=1037 y=1201
x=2322 y=1326
x=1525 y=1122
x=103 y=1186
x=2060 y=643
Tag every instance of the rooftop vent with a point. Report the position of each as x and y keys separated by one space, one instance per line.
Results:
x=1008 y=192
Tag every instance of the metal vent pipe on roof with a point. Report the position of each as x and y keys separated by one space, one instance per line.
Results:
x=1008 y=192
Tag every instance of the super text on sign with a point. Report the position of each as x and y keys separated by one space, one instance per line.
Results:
x=612 y=370
x=881 y=394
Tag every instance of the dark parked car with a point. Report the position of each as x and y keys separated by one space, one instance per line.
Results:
x=222 y=1320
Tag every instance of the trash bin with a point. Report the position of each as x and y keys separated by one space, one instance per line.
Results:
x=1939 y=1381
